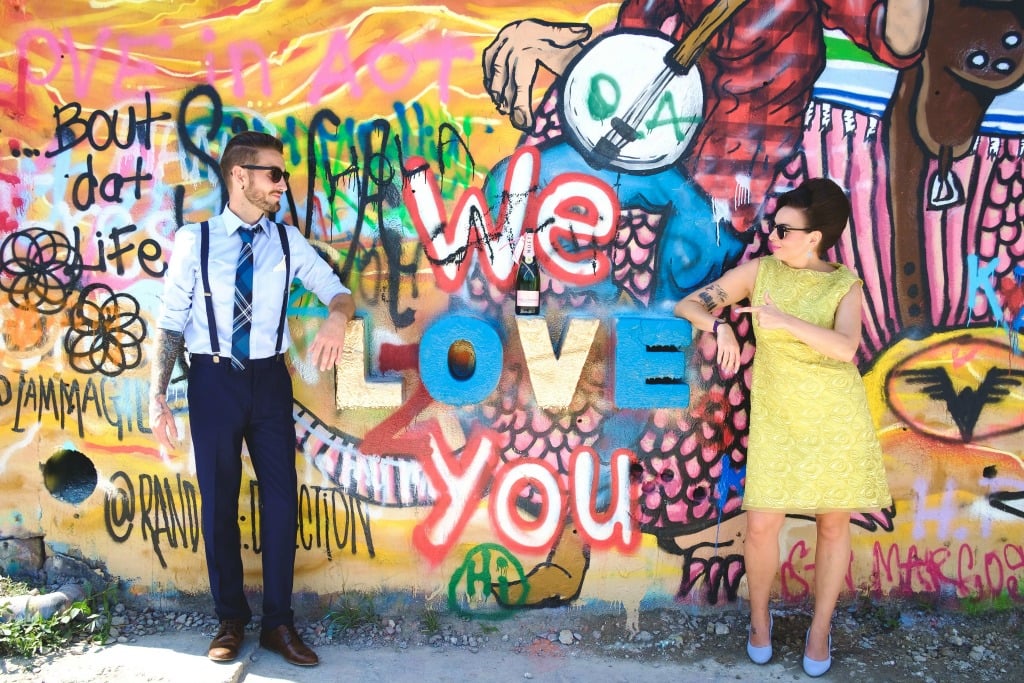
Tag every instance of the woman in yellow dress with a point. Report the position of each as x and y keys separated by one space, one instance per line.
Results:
x=812 y=447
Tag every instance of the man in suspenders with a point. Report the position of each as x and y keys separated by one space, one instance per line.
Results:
x=224 y=303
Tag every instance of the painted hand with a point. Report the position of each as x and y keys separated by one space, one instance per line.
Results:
x=906 y=23
x=511 y=62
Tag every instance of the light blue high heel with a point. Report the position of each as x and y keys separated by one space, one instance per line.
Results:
x=815 y=667
x=761 y=654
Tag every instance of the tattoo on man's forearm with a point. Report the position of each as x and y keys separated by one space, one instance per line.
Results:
x=170 y=346
x=706 y=300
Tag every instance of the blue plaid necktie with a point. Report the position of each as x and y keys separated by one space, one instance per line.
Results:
x=243 y=300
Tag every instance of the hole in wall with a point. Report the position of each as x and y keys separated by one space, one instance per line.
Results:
x=69 y=476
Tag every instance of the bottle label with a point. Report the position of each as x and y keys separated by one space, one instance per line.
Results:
x=525 y=298
x=528 y=246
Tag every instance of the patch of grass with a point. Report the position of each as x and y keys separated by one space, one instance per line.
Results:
x=85 y=619
x=101 y=605
x=975 y=606
x=489 y=629
x=9 y=587
x=430 y=622
x=39 y=636
x=353 y=612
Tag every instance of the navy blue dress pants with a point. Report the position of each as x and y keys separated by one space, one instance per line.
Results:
x=226 y=407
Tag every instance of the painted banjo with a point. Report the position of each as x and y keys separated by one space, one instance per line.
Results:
x=618 y=118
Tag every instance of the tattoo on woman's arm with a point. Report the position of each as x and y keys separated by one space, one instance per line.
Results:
x=712 y=297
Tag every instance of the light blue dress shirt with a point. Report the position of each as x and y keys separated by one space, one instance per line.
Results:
x=183 y=309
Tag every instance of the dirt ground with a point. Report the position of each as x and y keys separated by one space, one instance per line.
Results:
x=885 y=641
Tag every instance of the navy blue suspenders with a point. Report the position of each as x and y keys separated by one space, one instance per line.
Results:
x=204 y=258
x=287 y=285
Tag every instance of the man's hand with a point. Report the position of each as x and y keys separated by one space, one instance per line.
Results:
x=511 y=62
x=161 y=421
x=330 y=340
x=170 y=345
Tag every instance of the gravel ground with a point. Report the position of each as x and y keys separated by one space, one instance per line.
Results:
x=883 y=641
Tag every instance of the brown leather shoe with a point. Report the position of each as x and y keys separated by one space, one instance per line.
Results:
x=285 y=641
x=225 y=645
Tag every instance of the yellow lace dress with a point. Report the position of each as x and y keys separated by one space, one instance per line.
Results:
x=812 y=445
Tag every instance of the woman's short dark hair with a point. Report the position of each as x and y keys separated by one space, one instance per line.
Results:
x=825 y=205
x=244 y=148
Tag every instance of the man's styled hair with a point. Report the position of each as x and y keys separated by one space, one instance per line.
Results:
x=244 y=148
x=825 y=205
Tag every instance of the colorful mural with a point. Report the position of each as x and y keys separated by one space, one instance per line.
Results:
x=593 y=453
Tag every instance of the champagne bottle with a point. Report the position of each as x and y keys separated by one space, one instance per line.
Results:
x=528 y=280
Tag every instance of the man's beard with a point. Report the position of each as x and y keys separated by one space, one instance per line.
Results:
x=262 y=201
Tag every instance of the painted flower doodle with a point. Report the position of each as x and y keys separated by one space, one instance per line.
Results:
x=106 y=332
x=38 y=269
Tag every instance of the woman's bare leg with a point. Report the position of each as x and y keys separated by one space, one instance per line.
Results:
x=831 y=563
x=761 y=559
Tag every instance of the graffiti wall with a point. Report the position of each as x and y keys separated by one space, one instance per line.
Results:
x=593 y=452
